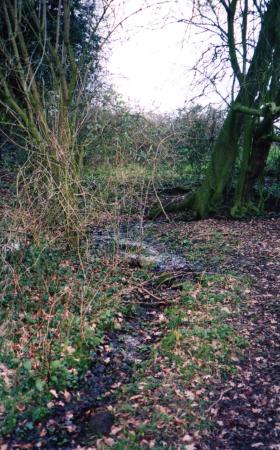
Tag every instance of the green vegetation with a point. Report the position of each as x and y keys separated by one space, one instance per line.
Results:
x=80 y=172
x=198 y=345
x=55 y=309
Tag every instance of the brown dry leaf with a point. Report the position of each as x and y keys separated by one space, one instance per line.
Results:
x=179 y=421
x=187 y=438
x=161 y=425
x=136 y=397
x=24 y=446
x=54 y=393
x=20 y=407
x=134 y=422
x=116 y=385
x=189 y=395
x=116 y=430
x=109 y=441
x=6 y=374
x=67 y=396
x=71 y=428
x=99 y=442
x=163 y=409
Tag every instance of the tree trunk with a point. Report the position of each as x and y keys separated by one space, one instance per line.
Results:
x=226 y=148
x=219 y=170
x=241 y=187
x=261 y=147
x=252 y=167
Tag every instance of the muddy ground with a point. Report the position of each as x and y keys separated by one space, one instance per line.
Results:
x=142 y=391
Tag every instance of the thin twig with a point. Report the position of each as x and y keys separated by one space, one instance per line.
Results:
x=146 y=291
x=219 y=399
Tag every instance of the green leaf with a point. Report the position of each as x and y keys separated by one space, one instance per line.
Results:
x=27 y=364
x=55 y=364
x=39 y=384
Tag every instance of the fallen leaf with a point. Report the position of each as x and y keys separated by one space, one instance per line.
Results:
x=54 y=393
x=187 y=438
x=109 y=441
x=115 y=430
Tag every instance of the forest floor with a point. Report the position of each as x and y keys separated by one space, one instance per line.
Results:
x=201 y=390
x=192 y=361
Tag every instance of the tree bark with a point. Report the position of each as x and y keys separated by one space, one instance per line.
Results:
x=206 y=199
x=256 y=149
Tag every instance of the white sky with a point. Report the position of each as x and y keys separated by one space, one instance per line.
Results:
x=149 y=66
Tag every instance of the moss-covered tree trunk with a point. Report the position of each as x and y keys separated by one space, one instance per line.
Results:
x=220 y=167
x=255 y=150
x=241 y=185
x=261 y=147
x=225 y=150
x=253 y=89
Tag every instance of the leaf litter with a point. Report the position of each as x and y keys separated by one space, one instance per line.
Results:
x=205 y=379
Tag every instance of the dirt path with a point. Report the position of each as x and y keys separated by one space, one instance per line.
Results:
x=248 y=415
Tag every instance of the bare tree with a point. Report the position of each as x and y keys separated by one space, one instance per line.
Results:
x=42 y=76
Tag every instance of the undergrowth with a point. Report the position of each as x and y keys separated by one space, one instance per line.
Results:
x=175 y=388
x=55 y=307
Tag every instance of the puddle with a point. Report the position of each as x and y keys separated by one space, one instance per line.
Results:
x=137 y=249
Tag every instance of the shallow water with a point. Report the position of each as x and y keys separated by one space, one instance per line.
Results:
x=132 y=243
